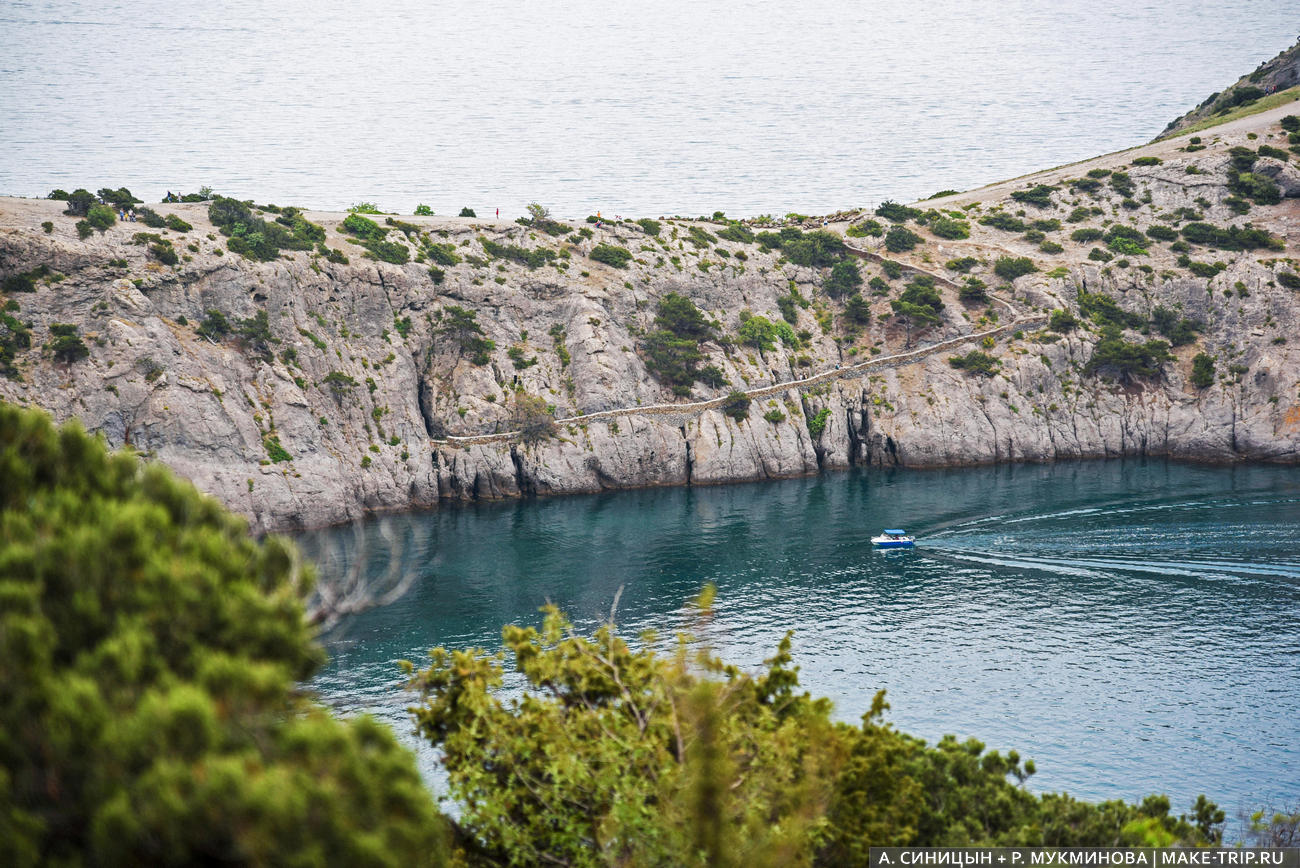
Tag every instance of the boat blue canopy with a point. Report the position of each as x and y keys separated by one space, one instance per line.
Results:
x=896 y=531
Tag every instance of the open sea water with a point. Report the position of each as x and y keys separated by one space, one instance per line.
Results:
x=672 y=107
x=1132 y=626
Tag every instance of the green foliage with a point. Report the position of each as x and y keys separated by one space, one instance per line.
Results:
x=1011 y=267
x=758 y=332
x=215 y=326
x=14 y=337
x=25 y=281
x=518 y=359
x=254 y=333
x=84 y=230
x=1288 y=279
x=737 y=232
x=65 y=345
x=678 y=314
x=946 y=227
x=817 y=422
x=1103 y=310
x=963 y=264
x=736 y=406
x=1275 y=153
x=775 y=416
x=532 y=417
x=79 y=202
x=820 y=249
x=1179 y=330
x=319 y=344
x=896 y=213
x=1205 y=269
x=919 y=305
x=388 y=251
x=651 y=227
x=865 y=229
x=973 y=290
x=151 y=218
x=976 y=362
x=856 y=310
x=611 y=254
x=364 y=208
x=402 y=325
x=1062 y=321
x=900 y=239
x=338 y=383
x=254 y=238
x=1202 y=370
x=1290 y=123
x=1005 y=222
x=171 y=221
x=443 y=254
x=151 y=652
x=274 y=451
x=422 y=211
x=1260 y=189
x=467 y=212
x=1039 y=196
x=1122 y=184
x=844 y=279
x=1096 y=254
x=101 y=217
x=461 y=327
x=1147 y=161
x=164 y=252
x=363 y=227
x=1159 y=232
x=1124 y=358
x=1232 y=238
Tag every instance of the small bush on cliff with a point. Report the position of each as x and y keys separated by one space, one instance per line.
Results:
x=119 y=198
x=1125 y=359
x=844 y=279
x=1202 y=370
x=215 y=326
x=152 y=654
x=1062 y=321
x=101 y=217
x=338 y=383
x=820 y=249
x=865 y=229
x=15 y=336
x=79 y=202
x=467 y=212
x=736 y=406
x=651 y=227
x=946 y=227
x=672 y=350
x=532 y=417
x=1179 y=330
x=461 y=328
x=1012 y=267
x=976 y=362
x=1039 y=196
x=65 y=345
x=895 y=212
x=1003 y=221
x=612 y=255
x=900 y=239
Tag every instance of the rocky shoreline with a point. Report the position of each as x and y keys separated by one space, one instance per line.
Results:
x=393 y=381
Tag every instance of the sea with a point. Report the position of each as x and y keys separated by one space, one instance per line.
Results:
x=1133 y=626
x=748 y=107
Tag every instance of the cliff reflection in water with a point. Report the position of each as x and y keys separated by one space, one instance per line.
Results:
x=1130 y=625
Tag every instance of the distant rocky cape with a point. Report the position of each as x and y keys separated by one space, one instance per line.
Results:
x=356 y=393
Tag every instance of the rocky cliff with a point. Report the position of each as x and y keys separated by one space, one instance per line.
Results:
x=303 y=389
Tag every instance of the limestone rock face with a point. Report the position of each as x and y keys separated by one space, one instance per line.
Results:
x=365 y=399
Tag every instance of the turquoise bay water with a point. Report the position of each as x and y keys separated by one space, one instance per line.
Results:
x=676 y=107
x=1134 y=627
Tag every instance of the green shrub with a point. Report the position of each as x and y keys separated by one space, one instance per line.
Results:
x=737 y=232
x=1162 y=233
x=844 y=279
x=1232 y=238
x=152 y=661
x=900 y=239
x=422 y=211
x=101 y=217
x=120 y=198
x=866 y=229
x=1290 y=123
x=1050 y=246
x=1205 y=269
x=1126 y=247
x=946 y=227
x=171 y=221
x=1078 y=215
x=856 y=310
x=1039 y=196
x=164 y=253
x=79 y=202
x=1147 y=161
x=964 y=264
x=1258 y=188
x=1122 y=184
x=1126 y=359
x=1062 y=321
x=612 y=255
x=254 y=238
x=1003 y=221
x=363 y=227
x=651 y=227
x=757 y=332
x=817 y=422
x=151 y=218
x=973 y=290
x=1086 y=185
x=775 y=416
x=65 y=345
x=976 y=362
x=388 y=251
x=25 y=281
x=893 y=270
x=1012 y=267
x=1202 y=370
x=1179 y=330
x=1288 y=279
x=736 y=406
x=1103 y=310
x=467 y=212
x=1098 y=255
x=896 y=213
x=15 y=336
x=820 y=249
x=1275 y=153
x=443 y=254
x=274 y=451
x=338 y=383
x=215 y=326
x=461 y=327
x=532 y=417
